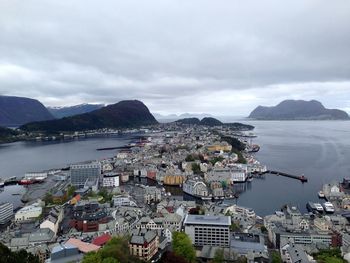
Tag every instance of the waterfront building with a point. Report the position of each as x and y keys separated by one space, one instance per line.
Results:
x=230 y=175
x=28 y=213
x=195 y=188
x=152 y=194
x=110 y=180
x=208 y=230
x=6 y=212
x=144 y=245
x=80 y=173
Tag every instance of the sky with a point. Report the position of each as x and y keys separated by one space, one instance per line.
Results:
x=222 y=57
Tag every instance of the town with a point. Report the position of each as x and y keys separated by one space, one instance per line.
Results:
x=175 y=182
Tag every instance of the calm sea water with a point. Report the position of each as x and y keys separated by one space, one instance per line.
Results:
x=318 y=149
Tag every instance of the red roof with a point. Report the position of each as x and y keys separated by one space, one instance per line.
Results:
x=83 y=246
x=101 y=240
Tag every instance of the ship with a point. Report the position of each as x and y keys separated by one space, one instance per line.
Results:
x=2 y=183
x=314 y=207
x=321 y=194
x=253 y=148
x=328 y=207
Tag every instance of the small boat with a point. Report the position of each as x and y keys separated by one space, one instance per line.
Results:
x=319 y=207
x=321 y=194
x=328 y=207
x=2 y=183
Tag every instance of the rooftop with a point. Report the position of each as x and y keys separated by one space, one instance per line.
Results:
x=207 y=220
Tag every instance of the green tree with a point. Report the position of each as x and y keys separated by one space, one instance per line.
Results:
x=182 y=246
x=263 y=229
x=70 y=191
x=219 y=256
x=196 y=168
x=92 y=257
x=110 y=260
x=276 y=257
x=189 y=158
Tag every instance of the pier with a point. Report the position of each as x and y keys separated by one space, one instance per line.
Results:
x=301 y=178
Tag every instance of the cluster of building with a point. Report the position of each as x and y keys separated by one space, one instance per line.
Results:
x=200 y=164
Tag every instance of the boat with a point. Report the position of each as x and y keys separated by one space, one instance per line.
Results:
x=319 y=207
x=26 y=182
x=2 y=183
x=310 y=206
x=11 y=180
x=321 y=194
x=328 y=207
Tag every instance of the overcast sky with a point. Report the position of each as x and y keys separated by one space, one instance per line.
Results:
x=218 y=57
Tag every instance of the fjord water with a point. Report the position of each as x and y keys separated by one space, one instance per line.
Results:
x=318 y=149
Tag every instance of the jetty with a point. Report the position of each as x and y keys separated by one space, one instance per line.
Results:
x=301 y=178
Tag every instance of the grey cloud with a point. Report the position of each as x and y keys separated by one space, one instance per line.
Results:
x=170 y=53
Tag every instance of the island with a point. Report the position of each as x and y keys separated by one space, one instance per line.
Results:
x=298 y=110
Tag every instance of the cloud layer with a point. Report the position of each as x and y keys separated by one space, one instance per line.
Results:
x=222 y=57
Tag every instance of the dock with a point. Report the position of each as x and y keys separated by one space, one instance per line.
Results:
x=301 y=178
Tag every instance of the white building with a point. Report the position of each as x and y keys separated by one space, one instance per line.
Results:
x=122 y=200
x=234 y=174
x=53 y=220
x=208 y=230
x=110 y=180
x=6 y=212
x=28 y=213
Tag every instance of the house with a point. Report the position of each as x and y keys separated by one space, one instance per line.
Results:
x=53 y=220
x=144 y=244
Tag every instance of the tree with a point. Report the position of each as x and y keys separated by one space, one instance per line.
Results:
x=276 y=257
x=20 y=256
x=170 y=257
x=189 y=158
x=219 y=256
x=92 y=257
x=70 y=191
x=182 y=246
x=263 y=229
x=196 y=168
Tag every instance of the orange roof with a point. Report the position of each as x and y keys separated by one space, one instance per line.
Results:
x=83 y=246
x=101 y=240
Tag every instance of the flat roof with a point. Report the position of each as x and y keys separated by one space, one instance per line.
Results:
x=207 y=220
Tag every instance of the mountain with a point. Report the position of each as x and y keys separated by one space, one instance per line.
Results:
x=124 y=114
x=298 y=110
x=16 y=111
x=60 y=112
x=207 y=121
x=189 y=121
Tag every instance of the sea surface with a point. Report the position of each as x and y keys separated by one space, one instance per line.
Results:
x=318 y=149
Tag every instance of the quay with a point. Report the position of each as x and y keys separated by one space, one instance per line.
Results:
x=301 y=178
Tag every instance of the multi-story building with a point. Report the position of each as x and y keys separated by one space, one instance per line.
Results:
x=110 y=180
x=87 y=217
x=144 y=245
x=152 y=194
x=208 y=230
x=28 y=213
x=123 y=200
x=53 y=220
x=6 y=212
x=80 y=173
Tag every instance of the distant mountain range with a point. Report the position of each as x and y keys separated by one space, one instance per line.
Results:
x=124 y=114
x=60 y=112
x=298 y=110
x=16 y=111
